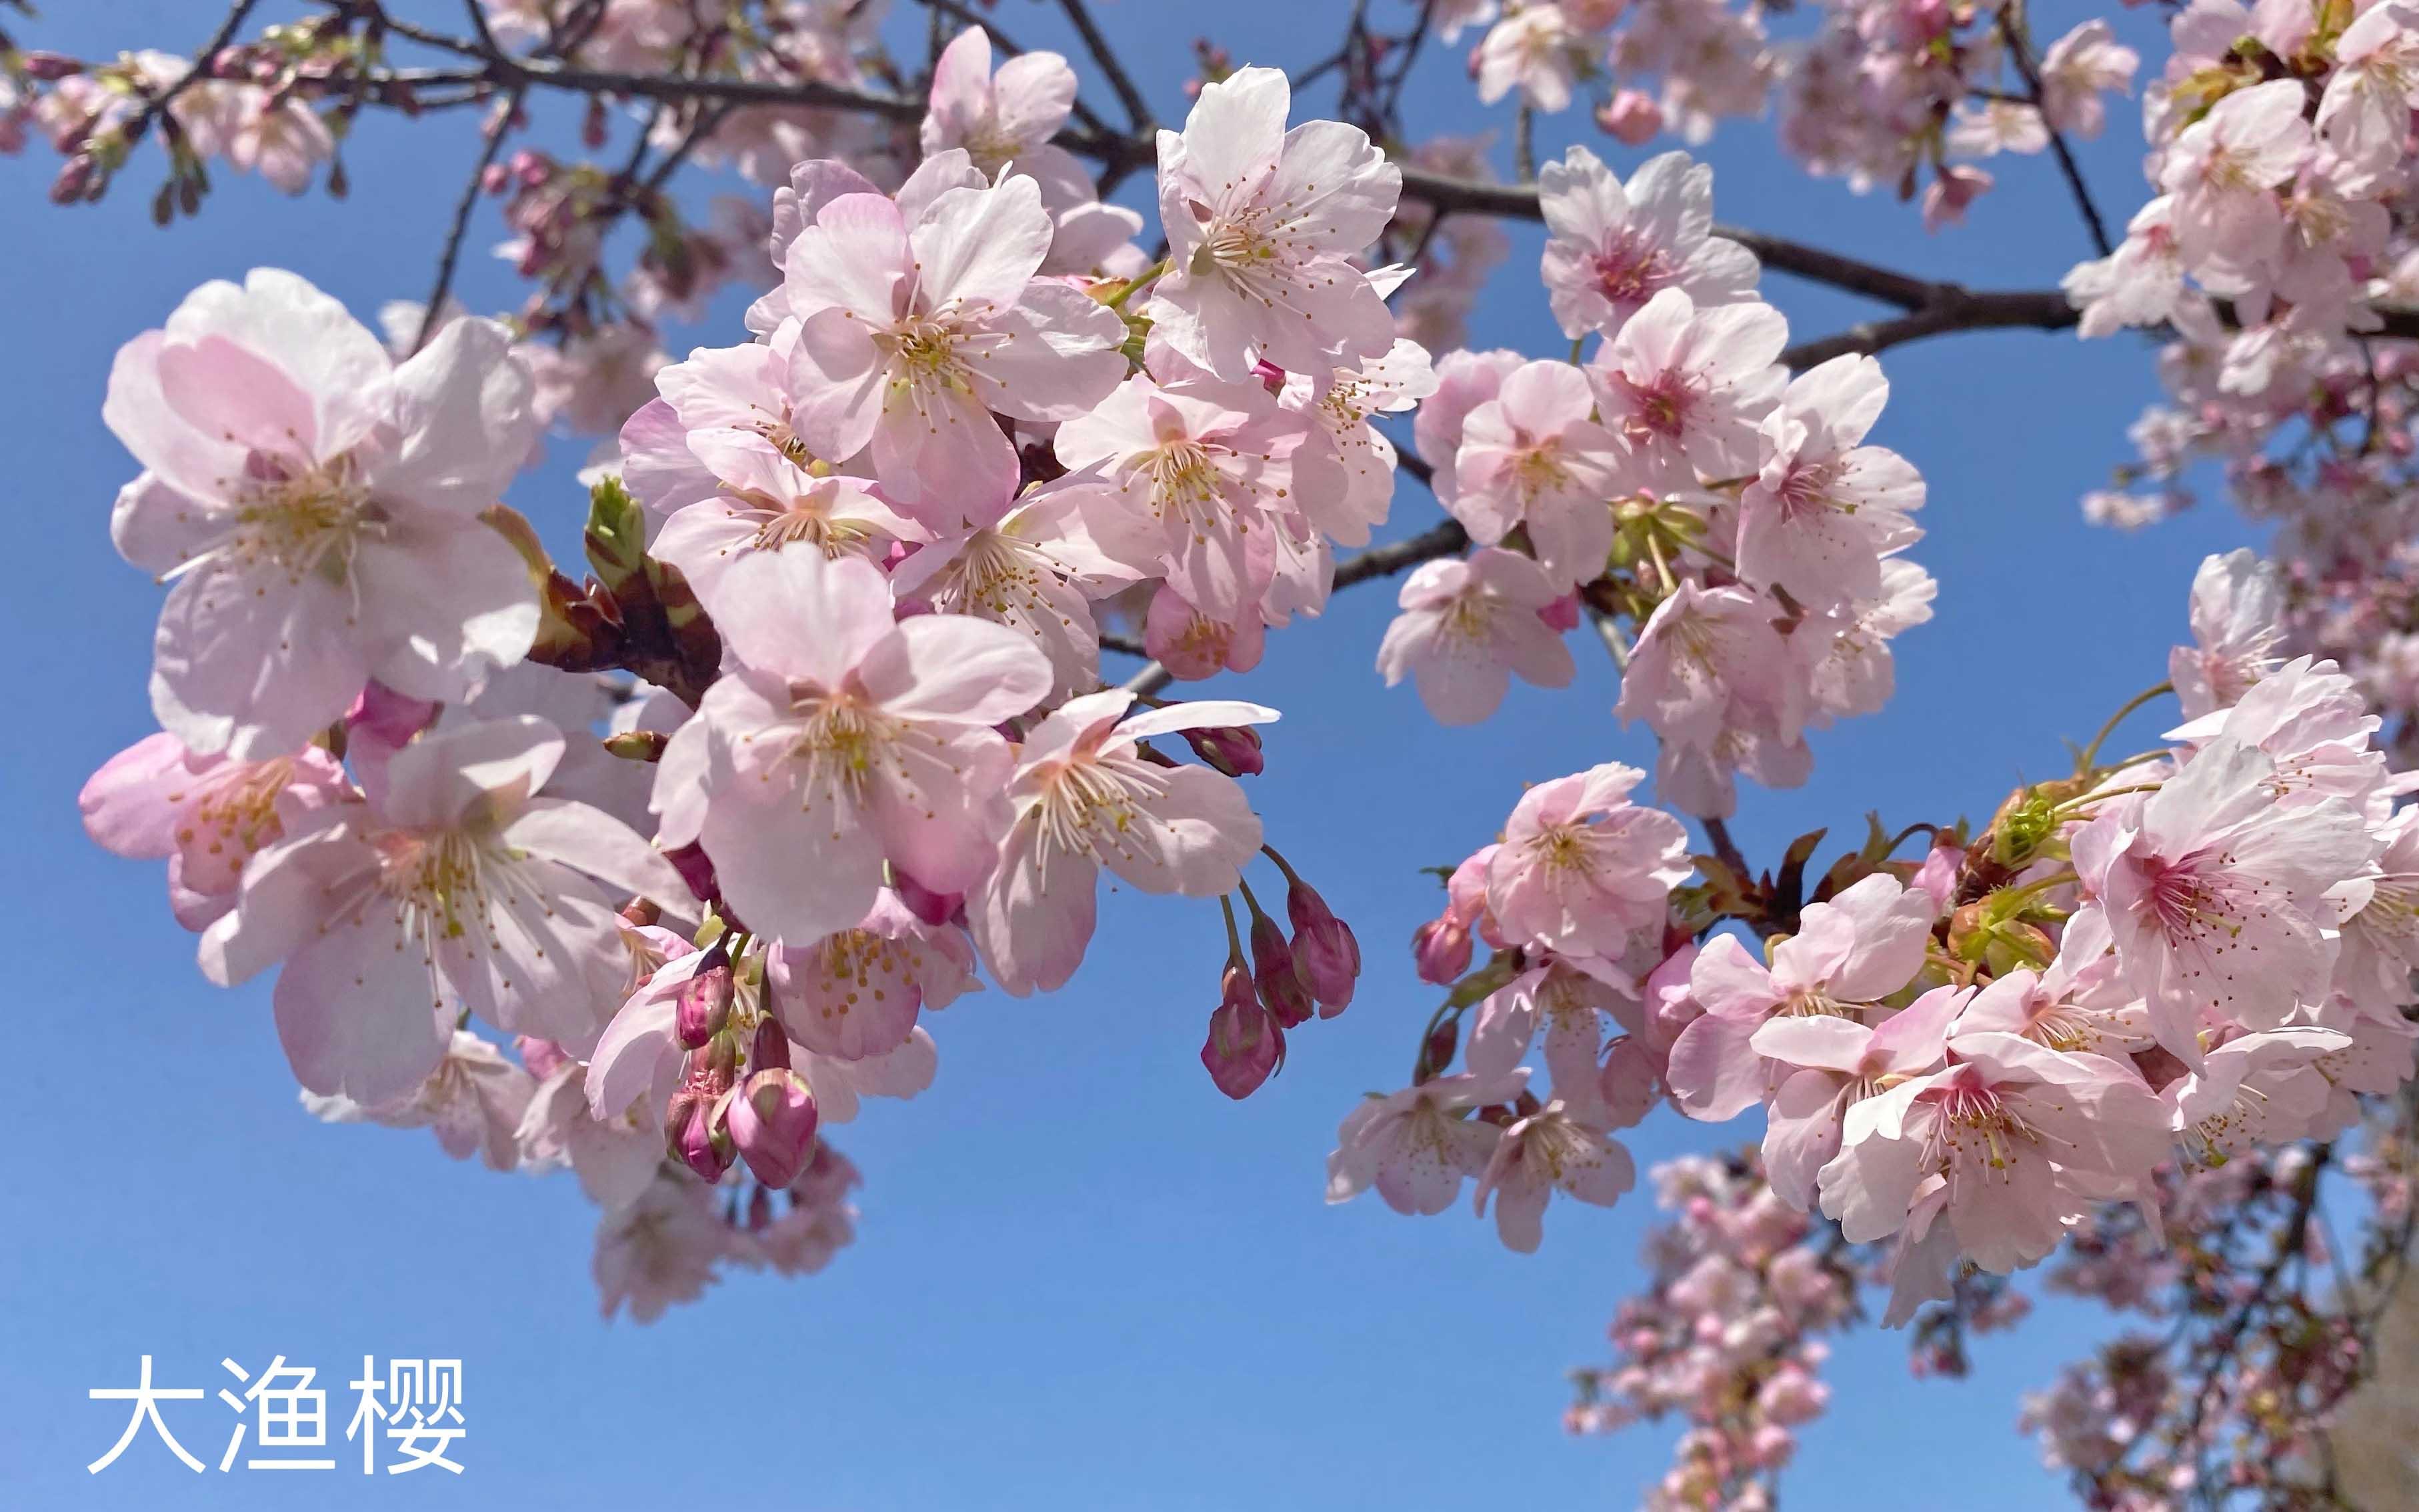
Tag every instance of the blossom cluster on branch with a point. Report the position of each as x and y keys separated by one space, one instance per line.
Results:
x=655 y=872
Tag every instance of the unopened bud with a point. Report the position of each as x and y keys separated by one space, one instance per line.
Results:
x=1234 y=749
x=75 y=178
x=696 y=1146
x=1441 y=950
x=704 y=1003
x=933 y=908
x=772 y=1124
x=1325 y=951
x=1245 y=1046
x=49 y=67
x=1274 y=974
x=1630 y=115
x=771 y=1049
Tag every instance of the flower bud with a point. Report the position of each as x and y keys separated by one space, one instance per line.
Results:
x=1630 y=117
x=1440 y=950
x=541 y=1058
x=49 y=67
x=705 y=1004
x=1245 y=1046
x=771 y=1050
x=389 y=717
x=1325 y=951
x=933 y=908
x=1561 y=616
x=1234 y=749
x=772 y=1122
x=1273 y=973
x=696 y=1146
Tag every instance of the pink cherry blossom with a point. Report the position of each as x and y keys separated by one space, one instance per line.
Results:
x=999 y=119
x=317 y=507
x=473 y=1101
x=2013 y=1129
x=2214 y=894
x=857 y=993
x=1085 y=798
x=1555 y=1149
x=2224 y=169
x=1581 y=869
x=205 y=815
x=1825 y=508
x=1835 y=1063
x=1849 y=954
x=1534 y=455
x=1465 y=380
x=2366 y=112
x=1260 y=222
x=1037 y=570
x=1687 y=387
x=1614 y=246
x=460 y=890
x=1535 y=50
x=1465 y=626
x=837 y=740
x=2238 y=607
x=769 y=503
x=1417 y=1146
x=914 y=330
x=1205 y=470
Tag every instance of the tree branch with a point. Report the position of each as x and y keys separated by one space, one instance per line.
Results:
x=2020 y=52
x=1137 y=108
x=432 y=315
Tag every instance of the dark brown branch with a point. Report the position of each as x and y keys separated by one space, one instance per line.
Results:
x=1137 y=108
x=157 y=105
x=451 y=258
x=2020 y=51
x=1955 y=310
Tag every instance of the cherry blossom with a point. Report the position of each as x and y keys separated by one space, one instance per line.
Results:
x=1259 y=223
x=317 y=507
x=461 y=889
x=1687 y=388
x=843 y=737
x=1085 y=797
x=914 y=329
x=1825 y=509
x=1615 y=245
x=1466 y=626
x=1581 y=868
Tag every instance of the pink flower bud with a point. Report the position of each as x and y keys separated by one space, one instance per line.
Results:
x=1245 y=1046
x=1561 y=616
x=696 y=869
x=49 y=66
x=933 y=908
x=1273 y=973
x=1324 y=949
x=1441 y=950
x=1952 y=189
x=1234 y=749
x=772 y=1120
x=73 y=179
x=695 y=1144
x=771 y=1050
x=541 y=1057
x=1630 y=115
x=705 y=1004
x=389 y=717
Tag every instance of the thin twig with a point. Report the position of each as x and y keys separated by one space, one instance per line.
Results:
x=1137 y=109
x=2020 y=52
x=432 y=315
x=157 y=105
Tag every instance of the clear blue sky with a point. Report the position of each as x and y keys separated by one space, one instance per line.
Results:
x=1083 y=1277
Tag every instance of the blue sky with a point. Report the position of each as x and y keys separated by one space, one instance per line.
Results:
x=1083 y=1277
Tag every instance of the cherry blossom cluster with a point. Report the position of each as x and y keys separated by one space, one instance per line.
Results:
x=1728 y=1336
x=860 y=556
x=1752 y=536
x=1883 y=92
x=2187 y=955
